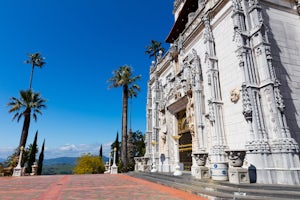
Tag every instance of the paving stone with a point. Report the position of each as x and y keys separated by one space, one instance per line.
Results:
x=87 y=187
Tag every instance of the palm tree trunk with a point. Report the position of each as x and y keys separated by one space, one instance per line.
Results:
x=124 y=125
x=31 y=76
x=25 y=128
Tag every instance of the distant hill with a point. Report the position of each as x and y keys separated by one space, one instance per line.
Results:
x=65 y=160
x=60 y=160
x=2 y=160
x=61 y=165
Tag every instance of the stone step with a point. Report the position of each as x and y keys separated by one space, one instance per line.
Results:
x=221 y=189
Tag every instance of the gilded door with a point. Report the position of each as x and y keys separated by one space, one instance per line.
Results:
x=185 y=141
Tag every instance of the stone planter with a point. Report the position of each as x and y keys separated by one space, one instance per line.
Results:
x=219 y=171
x=236 y=173
x=200 y=158
x=199 y=170
x=236 y=157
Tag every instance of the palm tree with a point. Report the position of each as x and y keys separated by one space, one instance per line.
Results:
x=123 y=77
x=28 y=102
x=153 y=49
x=131 y=93
x=36 y=60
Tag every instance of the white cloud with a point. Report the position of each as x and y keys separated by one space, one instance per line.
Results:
x=66 y=150
x=76 y=150
x=68 y=147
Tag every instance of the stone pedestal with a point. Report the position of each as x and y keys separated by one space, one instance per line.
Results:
x=238 y=175
x=18 y=168
x=202 y=172
x=114 y=169
x=17 y=171
x=199 y=169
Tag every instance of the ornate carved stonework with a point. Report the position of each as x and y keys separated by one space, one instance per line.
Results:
x=190 y=116
x=284 y=145
x=278 y=97
x=258 y=146
x=247 y=107
x=234 y=95
x=186 y=87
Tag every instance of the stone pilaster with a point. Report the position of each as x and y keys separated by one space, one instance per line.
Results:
x=263 y=105
x=148 y=138
x=215 y=100
x=257 y=145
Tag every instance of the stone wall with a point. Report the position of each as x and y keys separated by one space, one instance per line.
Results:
x=284 y=36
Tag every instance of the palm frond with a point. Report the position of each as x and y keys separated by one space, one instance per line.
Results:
x=28 y=101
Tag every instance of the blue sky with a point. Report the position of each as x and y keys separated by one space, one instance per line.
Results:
x=83 y=41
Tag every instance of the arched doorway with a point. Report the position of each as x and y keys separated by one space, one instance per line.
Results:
x=185 y=141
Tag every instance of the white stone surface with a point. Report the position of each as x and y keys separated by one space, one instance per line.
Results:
x=230 y=53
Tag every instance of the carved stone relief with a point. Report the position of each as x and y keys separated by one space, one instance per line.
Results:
x=247 y=107
x=234 y=95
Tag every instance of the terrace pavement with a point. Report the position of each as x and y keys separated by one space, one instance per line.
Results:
x=87 y=187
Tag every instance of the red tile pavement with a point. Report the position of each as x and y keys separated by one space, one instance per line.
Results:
x=87 y=187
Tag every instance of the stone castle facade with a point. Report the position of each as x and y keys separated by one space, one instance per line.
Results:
x=227 y=91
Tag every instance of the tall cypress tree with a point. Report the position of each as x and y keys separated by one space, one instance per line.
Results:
x=100 y=152
x=41 y=159
x=32 y=154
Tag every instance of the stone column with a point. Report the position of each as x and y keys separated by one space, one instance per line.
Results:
x=257 y=143
x=148 y=122
x=155 y=124
x=18 y=168
x=114 y=167
x=198 y=107
x=177 y=171
x=217 y=152
x=197 y=124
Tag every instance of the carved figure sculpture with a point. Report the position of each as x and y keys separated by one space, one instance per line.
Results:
x=190 y=113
